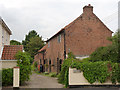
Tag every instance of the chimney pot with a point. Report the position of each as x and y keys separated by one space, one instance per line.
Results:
x=88 y=9
x=89 y=4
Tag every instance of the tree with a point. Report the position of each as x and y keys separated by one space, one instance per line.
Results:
x=15 y=42
x=108 y=53
x=35 y=44
x=30 y=35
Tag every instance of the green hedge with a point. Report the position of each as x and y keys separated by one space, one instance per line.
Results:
x=25 y=70
x=7 y=77
x=99 y=71
x=25 y=66
x=63 y=75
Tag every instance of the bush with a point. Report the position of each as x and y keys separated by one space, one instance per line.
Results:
x=25 y=66
x=109 y=53
x=7 y=77
x=35 y=64
x=93 y=71
x=63 y=75
x=53 y=74
x=46 y=73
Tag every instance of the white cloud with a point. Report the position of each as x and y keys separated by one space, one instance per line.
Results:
x=48 y=16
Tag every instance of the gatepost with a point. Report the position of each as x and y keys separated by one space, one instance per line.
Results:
x=16 y=77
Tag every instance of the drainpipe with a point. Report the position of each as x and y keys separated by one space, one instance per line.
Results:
x=64 y=46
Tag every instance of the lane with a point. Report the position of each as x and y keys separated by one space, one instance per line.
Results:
x=40 y=81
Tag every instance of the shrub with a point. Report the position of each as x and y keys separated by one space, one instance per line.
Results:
x=7 y=77
x=99 y=71
x=93 y=71
x=109 y=53
x=25 y=66
x=46 y=73
x=35 y=64
x=53 y=74
x=63 y=75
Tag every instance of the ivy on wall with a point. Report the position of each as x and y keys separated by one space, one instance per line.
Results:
x=99 y=71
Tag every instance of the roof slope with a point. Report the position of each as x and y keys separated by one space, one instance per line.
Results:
x=69 y=25
x=9 y=51
x=42 y=49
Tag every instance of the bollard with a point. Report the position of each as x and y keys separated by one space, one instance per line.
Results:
x=16 y=74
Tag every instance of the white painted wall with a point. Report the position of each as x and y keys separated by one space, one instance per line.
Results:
x=0 y=37
x=8 y=63
x=4 y=37
x=76 y=78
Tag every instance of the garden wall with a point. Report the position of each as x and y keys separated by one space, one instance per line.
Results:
x=76 y=78
x=8 y=63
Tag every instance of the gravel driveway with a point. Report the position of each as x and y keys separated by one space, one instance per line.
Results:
x=40 y=81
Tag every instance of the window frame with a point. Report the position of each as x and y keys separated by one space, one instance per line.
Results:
x=48 y=44
x=59 y=38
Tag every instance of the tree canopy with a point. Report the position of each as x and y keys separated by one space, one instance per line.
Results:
x=108 y=53
x=30 y=35
x=32 y=43
x=15 y=42
x=35 y=44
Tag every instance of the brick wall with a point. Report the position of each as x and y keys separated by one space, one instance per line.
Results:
x=82 y=37
x=56 y=50
x=86 y=34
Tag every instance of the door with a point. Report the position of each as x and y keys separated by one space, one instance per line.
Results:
x=50 y=65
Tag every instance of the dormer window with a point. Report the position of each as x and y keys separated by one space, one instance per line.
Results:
x=59 y=38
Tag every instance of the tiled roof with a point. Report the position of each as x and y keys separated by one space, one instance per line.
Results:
x=9 y=51
x=42 y=49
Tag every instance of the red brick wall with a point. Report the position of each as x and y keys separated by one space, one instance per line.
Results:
x=82 y=37
x=86 y=34
x=37 y=58
x=56 y=50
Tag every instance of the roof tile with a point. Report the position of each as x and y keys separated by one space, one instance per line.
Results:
x=9 y=51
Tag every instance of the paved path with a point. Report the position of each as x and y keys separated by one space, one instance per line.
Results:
x=40 y=81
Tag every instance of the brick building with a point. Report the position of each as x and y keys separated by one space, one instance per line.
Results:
x=81 y=37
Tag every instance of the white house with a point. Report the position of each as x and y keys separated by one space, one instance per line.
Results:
x=5 y=33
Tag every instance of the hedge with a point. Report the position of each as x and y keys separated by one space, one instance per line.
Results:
x=7 y=77
x=92 y=71
x=25 y=70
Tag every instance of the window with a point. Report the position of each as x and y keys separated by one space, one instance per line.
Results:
x=48 y=44
x=44 y=61
x=59 y=38
x=3 y=37
x=50 y=61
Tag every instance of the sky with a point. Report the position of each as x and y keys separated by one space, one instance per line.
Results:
x=47 y=17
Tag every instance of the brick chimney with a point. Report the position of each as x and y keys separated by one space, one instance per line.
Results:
x=88 y=9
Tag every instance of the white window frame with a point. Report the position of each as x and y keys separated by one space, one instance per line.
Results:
x=49 y=44
x=59 y=38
